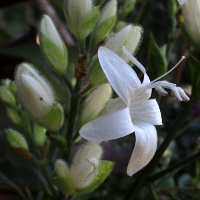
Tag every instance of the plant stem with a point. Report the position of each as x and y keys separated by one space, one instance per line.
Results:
x=44 y=170
x=6 y=180
x=66 y=79
x=72 y=115
x=182 y=163
x=136 y=187
x=170 y=136
x=86 y=90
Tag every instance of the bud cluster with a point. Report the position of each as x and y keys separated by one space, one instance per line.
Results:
x=83 y=175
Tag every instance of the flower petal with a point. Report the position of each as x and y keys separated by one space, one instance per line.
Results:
x=121 y=76
x=145 y=147
x=111 y=126
x=147 y=112
x=181 y=2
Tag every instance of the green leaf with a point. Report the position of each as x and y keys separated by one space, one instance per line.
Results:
x=105 y=169
x=4 y=37
x=88 y=23
x=55 y=57
x=156 y=59
x=102 y=30
x=195 y=72
x=172 y=8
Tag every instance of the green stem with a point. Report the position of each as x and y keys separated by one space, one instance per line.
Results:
x=136 y=187
x=45 y=172
x=13 y=186
x=66 y=79
x=86 y=90
x=170 y=136
x=180 y=164
x=72 y=115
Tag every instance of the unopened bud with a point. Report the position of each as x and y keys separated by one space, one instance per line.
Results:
x=81 y=17
x=106 y=21
x=6 y=96
x=85 y=164
x=191 y=14
x=37 y=97
x=94 y=103
x=129 y=36
x=39 y=135
x=14 y=116
x=62 y=177
x=16 y=139
x=11 y=85
x=52 y=46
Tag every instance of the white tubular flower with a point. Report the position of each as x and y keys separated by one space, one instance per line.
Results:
x=181 y=2
x=191 y=14
x=132 y=111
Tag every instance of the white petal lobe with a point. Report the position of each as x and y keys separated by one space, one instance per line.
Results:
x=111 y=126
x=146 y=112
x=145 y=148
x=121 y=76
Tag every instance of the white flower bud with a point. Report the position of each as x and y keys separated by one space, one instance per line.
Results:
x=129 y=36
x=48 y=28
x=191 y=14
x=109 y=10
x=37 y=96
x=81 y=17
x=94 y=103
x=106 y=21
x=85 y=164
x=61 y=168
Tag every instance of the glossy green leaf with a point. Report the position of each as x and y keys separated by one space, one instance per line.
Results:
x=156 y=59
x=195 y=72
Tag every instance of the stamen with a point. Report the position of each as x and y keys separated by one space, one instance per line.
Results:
x=182 y=58
x=133 y=59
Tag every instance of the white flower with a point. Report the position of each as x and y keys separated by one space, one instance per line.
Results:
x=181 y=2
x=133 y=111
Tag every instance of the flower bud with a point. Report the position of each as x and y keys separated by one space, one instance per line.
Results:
x=106 y=21
x=39 y=135
x=81 y=17
x=6 y=96
x=16 y=139
x=94 y=103
x=37 y=98
x=52 y=46
x=86 y=171
x=62 y=177
x=11 y=85
x=129 y=36
x=14 y=116
x=191 y=14
x=85 y=164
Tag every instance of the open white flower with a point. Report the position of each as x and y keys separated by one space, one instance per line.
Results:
x=133 y=111
x=181 y=2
